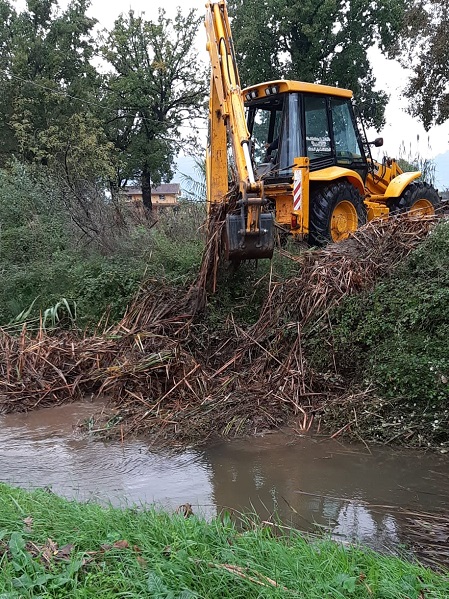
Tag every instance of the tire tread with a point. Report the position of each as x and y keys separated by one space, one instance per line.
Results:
x=322 y=202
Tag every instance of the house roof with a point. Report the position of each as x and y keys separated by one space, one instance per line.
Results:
x=173 y=188
x=168 y=188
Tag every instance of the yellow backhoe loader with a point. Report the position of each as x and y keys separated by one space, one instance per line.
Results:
x=296 y=156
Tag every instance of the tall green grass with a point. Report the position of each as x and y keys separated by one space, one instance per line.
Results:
x=51 y=547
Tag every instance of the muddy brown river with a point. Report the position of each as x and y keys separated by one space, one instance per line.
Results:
x=354 y=493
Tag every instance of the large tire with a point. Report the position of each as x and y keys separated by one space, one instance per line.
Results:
x=336 y=211
x=418 y=197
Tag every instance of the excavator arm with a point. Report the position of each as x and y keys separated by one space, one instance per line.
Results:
x=250 y=231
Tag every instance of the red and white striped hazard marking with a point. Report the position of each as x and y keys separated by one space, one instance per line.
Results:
x=297 y=189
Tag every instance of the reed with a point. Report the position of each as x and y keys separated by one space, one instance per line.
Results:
x=169 y=379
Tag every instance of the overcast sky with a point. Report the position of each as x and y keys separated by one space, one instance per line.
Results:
x=400 y=130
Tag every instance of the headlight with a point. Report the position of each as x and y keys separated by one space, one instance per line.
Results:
x=273 y=89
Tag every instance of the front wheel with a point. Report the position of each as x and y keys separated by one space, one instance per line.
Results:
x=336 y=211
x=419 y=198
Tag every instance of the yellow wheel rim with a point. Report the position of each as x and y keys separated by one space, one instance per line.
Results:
x=343 y=220
x=422 y=207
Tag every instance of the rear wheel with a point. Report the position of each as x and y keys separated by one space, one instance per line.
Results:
x=336 y=210
x=419 y=198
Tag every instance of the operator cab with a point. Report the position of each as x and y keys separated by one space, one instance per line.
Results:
x=289 y=119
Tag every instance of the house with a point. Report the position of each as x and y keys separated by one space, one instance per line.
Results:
x=165 y=195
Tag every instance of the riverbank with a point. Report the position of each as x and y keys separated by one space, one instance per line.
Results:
x=51 y=547
x=335 y=347
x=312 y=484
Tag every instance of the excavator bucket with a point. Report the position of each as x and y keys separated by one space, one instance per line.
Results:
x=248 y=245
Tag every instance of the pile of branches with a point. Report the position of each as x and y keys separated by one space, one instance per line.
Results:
x=158 y=373
x=274 y=348
x=38 y=370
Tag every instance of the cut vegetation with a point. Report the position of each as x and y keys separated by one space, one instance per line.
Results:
x=344 y=345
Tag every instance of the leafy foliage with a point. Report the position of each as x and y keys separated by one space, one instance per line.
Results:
x=424 y=48
x=57 y=109
x=44 y=257
x=66 y=133
x=395 y=337
x=47 y=78
x=154 y=88
x=318 y=42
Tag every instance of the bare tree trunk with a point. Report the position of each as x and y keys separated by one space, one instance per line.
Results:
x=146 y=190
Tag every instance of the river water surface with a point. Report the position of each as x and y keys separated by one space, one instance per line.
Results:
x=355 y=493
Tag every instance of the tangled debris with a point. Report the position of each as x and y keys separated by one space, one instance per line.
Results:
x=429 y=534
x=166 y=381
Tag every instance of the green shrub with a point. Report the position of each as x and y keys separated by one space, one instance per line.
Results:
x=395 y=336
x=46 y=254
x=103 y=284
x=173 y=259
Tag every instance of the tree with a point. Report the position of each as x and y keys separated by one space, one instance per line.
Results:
x=318 y=41
x=155 y=87
x=46 y=75
x=424 y=47
x=49 y=111
x=7 y=15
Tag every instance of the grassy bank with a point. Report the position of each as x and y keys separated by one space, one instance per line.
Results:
x=51 y=547
x=392 y=339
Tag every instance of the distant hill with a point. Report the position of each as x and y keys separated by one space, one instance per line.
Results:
x=442 y=171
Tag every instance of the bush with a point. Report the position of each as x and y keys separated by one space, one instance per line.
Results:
x=395 y=337
x=99 y=263
x=103 y=285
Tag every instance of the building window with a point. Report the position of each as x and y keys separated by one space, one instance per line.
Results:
x=161 y=197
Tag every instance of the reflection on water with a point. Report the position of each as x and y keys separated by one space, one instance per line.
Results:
x=44 y=449
x=352 y=492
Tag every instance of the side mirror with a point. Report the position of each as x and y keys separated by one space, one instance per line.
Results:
x=378 y=142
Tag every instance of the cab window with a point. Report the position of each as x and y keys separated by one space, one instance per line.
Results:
x=318 y=141
x=264 y=124
x=347 y=147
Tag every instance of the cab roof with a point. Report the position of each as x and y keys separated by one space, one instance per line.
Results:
x=295 y=86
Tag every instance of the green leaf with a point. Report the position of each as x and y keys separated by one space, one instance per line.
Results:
x=347 y=582
x=16 y=544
